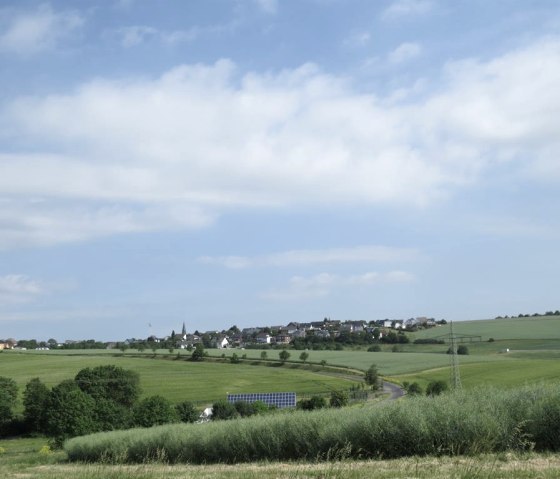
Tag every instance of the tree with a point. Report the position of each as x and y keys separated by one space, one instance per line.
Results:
x=8 y=397
x=109 y=415
x=284 y=355
x=110 y=382
x=154 y=410
x=413 y=389
x=234 y=358
x=372 y=377
x=35 y=399
x=198 y=353
x=264 y=355
x=304 y=356
x=223 y=410
x=339 y=398
x=69 y=412
x=186 y=412
x=435 y=388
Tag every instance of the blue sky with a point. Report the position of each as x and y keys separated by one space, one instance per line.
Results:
x=255 y=162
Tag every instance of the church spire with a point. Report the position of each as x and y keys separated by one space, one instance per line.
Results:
x=184 y=330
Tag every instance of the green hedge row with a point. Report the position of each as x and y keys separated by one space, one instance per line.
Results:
x=479 y=421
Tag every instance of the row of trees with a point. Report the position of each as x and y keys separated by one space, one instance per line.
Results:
x=98 y=399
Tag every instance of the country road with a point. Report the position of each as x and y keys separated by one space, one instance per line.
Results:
x=395 y=391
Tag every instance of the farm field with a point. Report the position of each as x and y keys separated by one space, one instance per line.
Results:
x=388 y=363
x=511 y=373
x=176 y=380
x=540 y=327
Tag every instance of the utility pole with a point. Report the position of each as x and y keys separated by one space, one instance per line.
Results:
x=455 y=373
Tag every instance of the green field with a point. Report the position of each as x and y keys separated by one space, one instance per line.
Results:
x=540 y=327
x=178 y=380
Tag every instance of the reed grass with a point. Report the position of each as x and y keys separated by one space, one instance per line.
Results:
x=472 y=422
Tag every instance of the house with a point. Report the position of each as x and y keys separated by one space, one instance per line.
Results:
x=321 y=333
x=220 y=342
x=191 y=340
x=299 y=333
x=352 y=326
x=263 y=338
x=283 y=339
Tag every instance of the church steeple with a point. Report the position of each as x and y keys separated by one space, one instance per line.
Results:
x=184 y=331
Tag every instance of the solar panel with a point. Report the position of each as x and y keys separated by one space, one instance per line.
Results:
x=280 y=400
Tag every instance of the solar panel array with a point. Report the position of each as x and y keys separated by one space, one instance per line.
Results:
x=280 y=400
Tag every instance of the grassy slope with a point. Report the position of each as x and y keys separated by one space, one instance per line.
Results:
x=176 y=380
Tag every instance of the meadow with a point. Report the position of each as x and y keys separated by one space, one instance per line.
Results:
x=178 y=380
x=31 y=459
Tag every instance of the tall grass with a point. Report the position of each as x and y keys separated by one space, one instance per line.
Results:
x=460 y=423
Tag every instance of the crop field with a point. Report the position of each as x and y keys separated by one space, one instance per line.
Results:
x=540 y=327
x=388 y=363
x=511 y=373
x=177 y=380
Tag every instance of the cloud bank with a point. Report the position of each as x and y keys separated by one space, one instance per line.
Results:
x=176 y=151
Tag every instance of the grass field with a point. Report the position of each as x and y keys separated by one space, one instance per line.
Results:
x=177 y=380
x=540 y=327
x=22 y=458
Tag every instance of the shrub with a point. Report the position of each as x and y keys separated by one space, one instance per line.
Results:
x=374 y=348
x=314 y=402
x=154 y=410
x=339 y=398
x=186 y=412
x=223 y=410
x=372 y=377
x=435 y=388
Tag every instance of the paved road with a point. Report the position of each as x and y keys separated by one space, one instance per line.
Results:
x=395 y=391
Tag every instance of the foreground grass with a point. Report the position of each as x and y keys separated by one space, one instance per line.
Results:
x=22 y=459
x=481 y=421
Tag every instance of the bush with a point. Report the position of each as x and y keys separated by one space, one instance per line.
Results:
x=314 y=402
x=186 y=412
x=223 y=410
x=374 y=348
x=435 y=388
x=154 y=410
x=339 y=398
x=372 y=377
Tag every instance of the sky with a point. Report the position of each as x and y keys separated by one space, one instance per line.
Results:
x=256 y=162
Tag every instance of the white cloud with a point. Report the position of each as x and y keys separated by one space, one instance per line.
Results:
x=404 y=53
x=404 y=8
x=17 y=288
x=358 y=39
x=358 y=254
x=323 y=284
x=178 y=150
x=42 y=29
x=268 y=6
x=138 y=34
